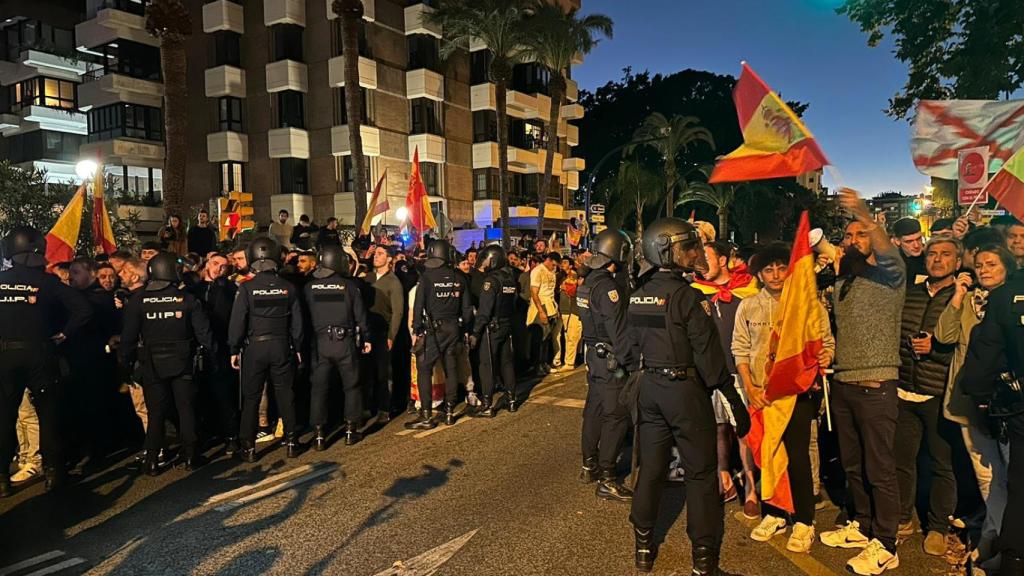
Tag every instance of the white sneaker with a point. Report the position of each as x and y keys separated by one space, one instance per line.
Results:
x=873 y=560
x=801 y=538
x=25 y=473
x=263 y=436
x=848 y=536
x=769 y=527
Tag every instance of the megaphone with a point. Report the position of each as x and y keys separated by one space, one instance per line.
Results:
x=820 y=245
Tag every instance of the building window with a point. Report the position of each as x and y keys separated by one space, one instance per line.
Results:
x=127 y=120
x=485 y=126
x=42 y=91
x=287 y=42
x=341 y=114
x=526 y=134
x=426 y=116
x=134 y=184
x=524 y=189
x=290 y=109
x=231 y=179
x=43 y=145
x=347 y=175
x=231 y=114
x=294 y=176
x=531 y=78
x=134 y=6
x=479 y=67
x=431 y=174
x=227 y=48
x=424 y=52
x=485 y=184
x=336 y=45
x=130 y=59
x=35 y=35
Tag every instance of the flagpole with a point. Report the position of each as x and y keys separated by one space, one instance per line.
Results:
x=828 y=407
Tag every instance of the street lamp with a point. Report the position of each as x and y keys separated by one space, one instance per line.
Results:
x=86 y=169
x=402 y=213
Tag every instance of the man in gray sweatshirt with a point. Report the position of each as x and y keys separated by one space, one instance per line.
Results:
x=868 y=309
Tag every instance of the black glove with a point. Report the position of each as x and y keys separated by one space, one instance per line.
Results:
x=739 y=409
x=125 y=373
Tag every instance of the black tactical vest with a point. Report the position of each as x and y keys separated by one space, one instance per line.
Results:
x=330 y=307
x=443 y=293
x=166 y=333
x=663 y=343
x=508 y=291
x=597 y=282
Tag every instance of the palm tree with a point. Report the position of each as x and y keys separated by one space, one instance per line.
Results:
x=720 y=196
x=555 y=37
x=499 y=25
x=671 y=138
x=351 y=14
x=170 y=22
x=636 y=186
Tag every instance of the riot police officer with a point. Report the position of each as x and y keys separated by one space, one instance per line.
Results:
x=265 y=332
x=37 y=313
x=671 y=326
x=441 y=309
x=162 y=326
x=492 y=329
x=602 y=300
x=339 y=323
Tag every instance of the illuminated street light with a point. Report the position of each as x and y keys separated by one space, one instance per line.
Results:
x=86 y=169
x=402 y=213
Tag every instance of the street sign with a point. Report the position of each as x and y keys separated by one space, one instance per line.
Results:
x=597 y=218
x=992 y=213
x=973 y=176
x=598 y=228
x=597 y=208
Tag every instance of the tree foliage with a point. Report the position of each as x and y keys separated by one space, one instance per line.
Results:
x=954 y=48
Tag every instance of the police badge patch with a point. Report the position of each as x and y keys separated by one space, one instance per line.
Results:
x=487 y=285
x=613 y=295
x=706 y=306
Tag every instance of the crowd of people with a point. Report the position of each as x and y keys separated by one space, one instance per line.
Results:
x=241 y=347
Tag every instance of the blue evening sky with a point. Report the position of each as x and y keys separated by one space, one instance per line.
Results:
x=802 y=49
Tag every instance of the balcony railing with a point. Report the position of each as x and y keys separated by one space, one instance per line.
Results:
x=131 y=6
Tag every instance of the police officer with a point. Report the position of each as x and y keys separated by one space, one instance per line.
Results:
x=162 y=326
x=492 y=329
x=265 y=332
x=602 y=300
x=441 y=309
x=993 y=374
x=671 y=326
x=339 y=323
x=37 y=313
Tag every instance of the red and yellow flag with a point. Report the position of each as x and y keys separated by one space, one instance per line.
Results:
x=776 y=143
x=797 y=339
x=416 y=201
x=61 y=240
x=102 y=232
x=377 y=206
x=1007 y=186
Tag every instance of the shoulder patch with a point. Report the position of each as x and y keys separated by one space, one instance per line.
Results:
x=613 y=295
x=706 y=306
x=487 y=285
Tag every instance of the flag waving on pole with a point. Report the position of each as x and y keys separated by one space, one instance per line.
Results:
x=416 y=201
x=62 y=238
x=377 y=206
x=102 y=232
x=797 y=339
x=1007 y=186
x=776 y=143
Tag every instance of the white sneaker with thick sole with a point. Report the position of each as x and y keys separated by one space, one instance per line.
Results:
x=263 y=436
x=801 y=539
x=873 y=560
x=848 y=536
x=25 y=473
x=770 y=526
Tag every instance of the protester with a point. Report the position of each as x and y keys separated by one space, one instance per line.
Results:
x=281 y=230
x=303 y=234
x=1015 y=241
x=173 y=237
x=907 y=236
x=202 y=238
x=544 y=309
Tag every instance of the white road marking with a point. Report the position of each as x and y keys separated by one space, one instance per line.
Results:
x=316 y=473
x=18 y=567
x=249 y=487
x=441 y=427
x=57 y=567
x=429 y=562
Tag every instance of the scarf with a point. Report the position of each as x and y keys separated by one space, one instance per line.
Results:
x=741 y=284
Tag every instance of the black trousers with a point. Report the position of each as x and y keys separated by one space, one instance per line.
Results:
x=1011 y=535
x=159 y=393
x=865 y=421
x=442 y=343
x=380 y=358
x=347 y=369
x=273 y=360
x=35 y=370
x=223 y=384
x=605 y=421
x=496 y=361
x=797 y=440
x=924 y=422
x=678 y=413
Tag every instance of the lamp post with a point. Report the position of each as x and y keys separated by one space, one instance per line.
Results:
x=86 y=169
x=597 y=169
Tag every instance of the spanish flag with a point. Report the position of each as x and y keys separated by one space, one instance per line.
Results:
x=102 y=232
x=796 y=340
x=416 y=201
x=776 y=143
x=61 y=240
x=1007 y=186
x=377 y=206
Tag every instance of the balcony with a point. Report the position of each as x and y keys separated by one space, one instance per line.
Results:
x=431 y=147
x=572 y=135
x=574 y=164
x=572 y=90
x=58 y=119
x=416 y=21
x=423 y=83
x=223 y=15
x=126 y=152
x=227 y=147
x=556 y=166
x=481 y=97
x=284 y=12
x=369 y=10
x=340 y=145
x=103 y=89
x=293 y=203
x=108 y=25
x=45 y=62
x=572 y=111
x=519 y=104
x=572 y=180
x=9 y=122
x=367 y=72
x=225 y=81
x=288 y=143
x=286 y=75
x=485 y=155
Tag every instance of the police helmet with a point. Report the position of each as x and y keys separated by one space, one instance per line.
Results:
x=610 y=246
x=263 y=254
x=26 y=246
x=335 y=259
x=439 y=253
x=164 y=268
x=662 y=234
x=493 y=257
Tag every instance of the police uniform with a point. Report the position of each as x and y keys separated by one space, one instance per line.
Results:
x=337 y=311
x=34 y=307
x=162 y=327
x=217 y=297
x=498 y=294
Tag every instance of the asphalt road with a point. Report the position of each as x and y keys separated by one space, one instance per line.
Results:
x=496 y=497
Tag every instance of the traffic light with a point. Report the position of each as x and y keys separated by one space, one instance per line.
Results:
x=234 y=215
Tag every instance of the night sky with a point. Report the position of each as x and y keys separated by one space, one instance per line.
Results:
x=802 y=49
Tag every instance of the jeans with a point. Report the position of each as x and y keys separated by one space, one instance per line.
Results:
x=923 y=423
x=989 y=459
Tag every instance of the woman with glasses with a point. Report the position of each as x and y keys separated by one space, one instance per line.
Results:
x=992 y=265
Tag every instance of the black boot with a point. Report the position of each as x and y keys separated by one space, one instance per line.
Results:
x=292 y=445
x=511 y=396
x=485 y=409
x=425 y=421
x=383 y=417
x=319 y=439
x=589 y=472
x=55 y=477
x=5 y=487
x=705 y=562
x=352 y=434
x=150 y=467
x=609 y=488
x=411 y=407
x=192 y=462
x=645 y=550
x=247 y=452
x=449 y=414
x=231 y=446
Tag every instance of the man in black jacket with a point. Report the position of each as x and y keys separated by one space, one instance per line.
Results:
x=924 y=367
x=202 y=238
